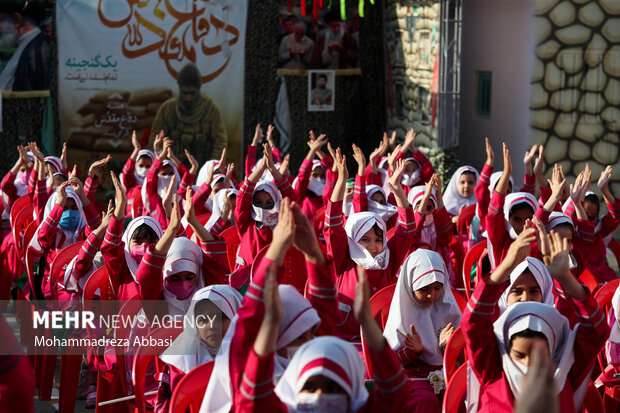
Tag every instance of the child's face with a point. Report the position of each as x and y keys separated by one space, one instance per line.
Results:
x=262 y=199
x=466 y=185
x=525 y=288
x=348 y=194
x=591 y=210
x=411 y=167
x=50 y=169
x=181 y=276
x=306 y=336
x=167 y=170
x=70 y=205
x=317 y=173
x=378 y=197
x=518 y=217
x=521 y=348
x=211 y=323
x=142 y=241
x=565 y=233
x=372 y=242
x=430 y=208
x=428 y=294
x=322 y=385
x=144 y=162
x=219 y=185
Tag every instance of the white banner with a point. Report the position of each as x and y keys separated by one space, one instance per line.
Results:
x=118 y=61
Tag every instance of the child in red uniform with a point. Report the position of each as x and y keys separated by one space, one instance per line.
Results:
x=303 y=318
x=326 y=374
x=460 y=190
x=422 y=317
x=499 y=352
x=363 y=241
x=134 y=174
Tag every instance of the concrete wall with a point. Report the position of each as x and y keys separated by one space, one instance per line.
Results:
x=497 y=37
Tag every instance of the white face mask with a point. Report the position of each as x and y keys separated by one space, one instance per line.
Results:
x=384 y=211
x=141 y=171
x=411 y=180
x=268 y=217
x=428 y=220
x=316 y=185
x=323 y=403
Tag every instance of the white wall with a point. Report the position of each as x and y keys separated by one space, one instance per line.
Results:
x=497 y=37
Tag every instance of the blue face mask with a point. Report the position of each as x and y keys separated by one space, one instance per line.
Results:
x=69 y=219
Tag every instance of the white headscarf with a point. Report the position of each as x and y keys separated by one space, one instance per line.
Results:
x=414 y=178
x=543 y=319
x=188 y=350
x=71 y=281
x=541 y=275
x=328 y=356
x=386 y=211
x=204 y=171
x=453 y=201
x=218 y=204
x=162 y=185
x=428 y=235
x=298 y=316
x=421 y=268
x=64 y=237
x=356 y=226
x=511 y=201
x=556 y=218
x=56 y=162
x=268 y=217
x=137 y=178
x=131 y=228
x=494 y=179
x=183 y=255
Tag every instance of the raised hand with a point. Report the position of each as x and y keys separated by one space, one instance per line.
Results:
x=520 y=248
x=62 y=194
x=227 y=206
x=305 y=238
x=63 y=157
x=445 y=335
x=603 y=180
x=78 y=187
x=34 y=148
x=120 y=198
x=490 y=154
x=222 y=162
x=413 y=341
x=410 y=141
x=392 y=141
x=135 y=142
x=168 y=195
x=316 y=143
x=165 y=151
x=527 y=159
x=194 y=169
x=175 y=216
x=283 y=233
x=95 y=168
x=159 y=139
x=540 y=161
x=284 y=166
x=395 y=180
x=341 y=164
x=105 y=221
x=257 y=135
x=269 y=137
x=359 y=157
x=392 y=158
x=230 y=169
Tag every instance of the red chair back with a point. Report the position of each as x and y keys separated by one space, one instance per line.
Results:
x=472 y=256
x=231 y=236
x=31 y=257
x=604 y=295
x=589 y=280
x=455 y=350
x=19 y=205
x=144 y=356
x=317 y=221
x=455 y=390
x=190 y=390
x=189 y=231
x=463 y=220
x=379 y=308
x=460 y=300
x=19 y=222
x=59 y=265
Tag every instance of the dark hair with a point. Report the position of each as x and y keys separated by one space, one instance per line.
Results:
x=189 y=76
x=378 y=230
x=201 y=307
x=321 y=75
x=527 y=333
x=144 y=156
x=564 y=225
x=144 y=232
x=519 y=207
x=592 y=198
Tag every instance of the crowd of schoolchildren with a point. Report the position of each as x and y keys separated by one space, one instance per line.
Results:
x=390 y=230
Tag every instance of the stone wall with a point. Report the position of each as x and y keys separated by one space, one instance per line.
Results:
x=412 y=45
x=575 y=91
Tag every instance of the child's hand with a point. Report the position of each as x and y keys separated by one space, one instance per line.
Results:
x=520 y=248
x=226 y=207
x=159 y=139
x=507 y=162
x=316 y=143
x=78 y=187
x=538 y=393
x=190 y=214
x=194 y=169
x=603 y=180
x=165 y=151
x=540 y=161
x=283 y=233
x=257 y=135
x=413 y=341
x=168 y=195
x=284 y=166
x=63 y=157
x=175 y=216
x=445 y=335
x=490 y=154
x=341 y=164
x=222 y=162
x=359 y=157
x=527 y=159
x=410 y=141
x=269 y=137
x=230 y=169
x=105 y=221
x=392 y=141
x=558 y=258
x=305 y=237
x=134 y=141
x=121 y=195
x=395 y=180
x=95 y=168
x=268 y=158
x=62 y=194
x=557 y=183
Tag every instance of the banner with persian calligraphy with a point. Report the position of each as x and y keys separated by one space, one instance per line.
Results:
x=118 y=61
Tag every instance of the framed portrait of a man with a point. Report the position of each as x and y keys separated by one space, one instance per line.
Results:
x=321 y=90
